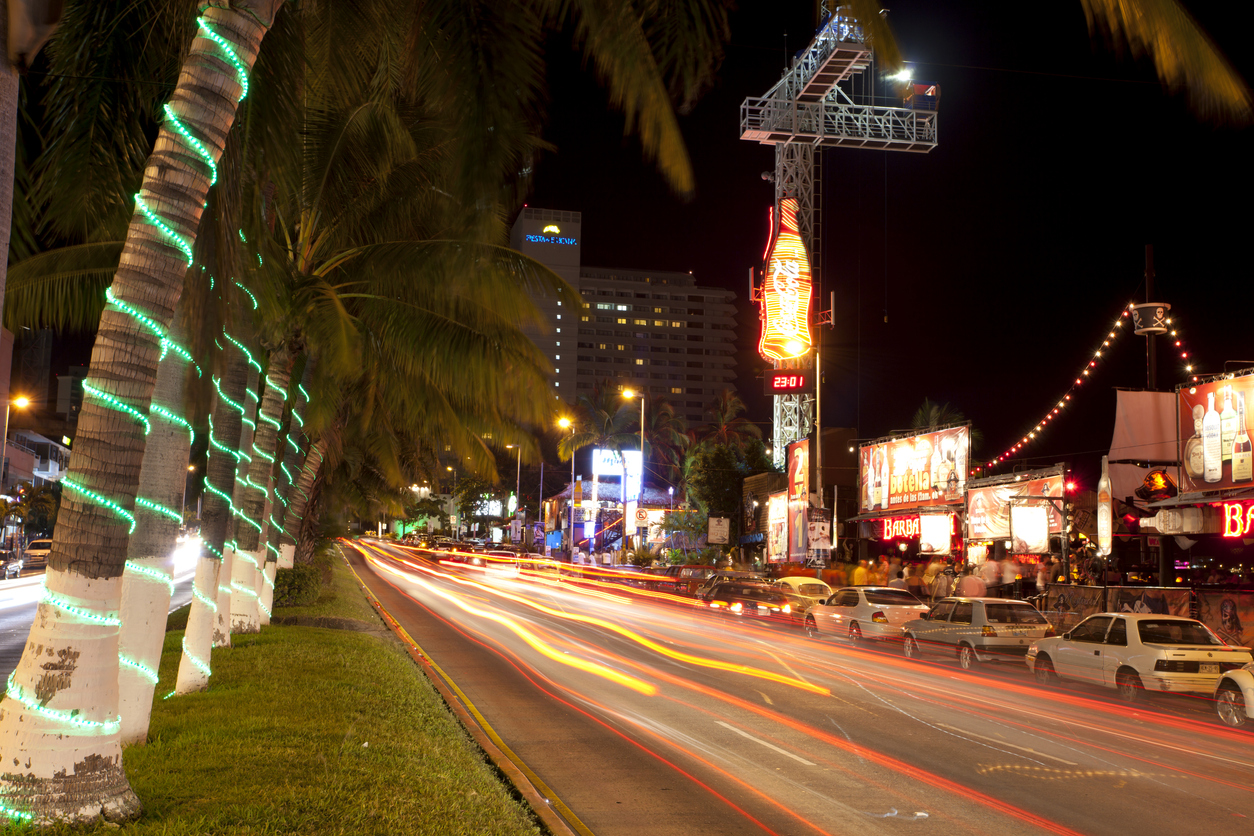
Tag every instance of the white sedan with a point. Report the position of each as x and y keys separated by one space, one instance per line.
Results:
x=1234 y=698
x=876 y=612
x=1135 y=652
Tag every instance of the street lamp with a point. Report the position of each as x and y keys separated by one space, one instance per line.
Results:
x=518 y=475
x=191 y=468
x=20 y=403
x=629 y=393
x=564 y=423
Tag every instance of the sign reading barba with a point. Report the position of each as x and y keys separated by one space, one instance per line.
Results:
x=786 y=291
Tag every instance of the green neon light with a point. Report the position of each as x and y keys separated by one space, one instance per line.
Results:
x=159 y=508
x=271 y=421
x=276 y=554
x=118 y=404
x=108 y=503
x=109 y=619
x=264 y=608
x=299 y=420
x=303 y=392
x=241 y=236
x=172 y=418
x=206 y=600
x=242 y=590
x=247 y=354
x=14 y=813
x=215 y=553
x=147 y=672
x=166 y=228
x=155 y=574
x=195 y=143
x=238 y=407
x=70 y=718
x=250 y=294
x=232 y=58
x=276 y=387
x=263 y=454
x=201 y=666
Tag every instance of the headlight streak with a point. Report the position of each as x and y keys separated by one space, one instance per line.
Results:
x=594 y=668
x=679 y=656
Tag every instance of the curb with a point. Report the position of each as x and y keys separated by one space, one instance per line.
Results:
x=556 y=816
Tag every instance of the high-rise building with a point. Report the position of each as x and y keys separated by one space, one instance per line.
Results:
x=647 y=329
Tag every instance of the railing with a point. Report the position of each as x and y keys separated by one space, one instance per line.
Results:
x=836 y=123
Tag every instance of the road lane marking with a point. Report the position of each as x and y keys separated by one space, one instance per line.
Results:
x=1004 y=743
x=764 y=743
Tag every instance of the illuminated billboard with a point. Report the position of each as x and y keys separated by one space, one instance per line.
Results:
x=610 y=463
x=915 y=471
x=786 y=290
x=1214 y=440
x=798 y=498
x=777 y=527
x=988 y=505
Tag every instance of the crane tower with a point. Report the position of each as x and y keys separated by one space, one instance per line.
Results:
x=806 y=111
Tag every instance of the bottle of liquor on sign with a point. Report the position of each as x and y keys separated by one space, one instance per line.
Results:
x=1212 y=452
x=1105 y=511
x=1227 y=425
x=1193 y=447
x=1242 y=463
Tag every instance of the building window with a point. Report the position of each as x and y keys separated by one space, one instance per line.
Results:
x=584 y=358
x=604 y=306
x=640 y=321
x=675 y=390
x=559 y=316
x=603 y=346
x=659 y=323
x=622 y=307
x=557 y=357
x=675 y=323
x=620 y=346
x=659 y=310
x=695 y=377
x=640 y=362
x=620 y=321
x=586 y=318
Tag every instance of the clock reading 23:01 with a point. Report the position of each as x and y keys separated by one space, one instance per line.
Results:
x=790 y=382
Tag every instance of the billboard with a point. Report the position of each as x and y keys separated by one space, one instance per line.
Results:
x=786 y=290
x=777 y=527
x=610 y=463
x=988 y=506
x=915 y=471
x=1214 y=436
x=798 y=498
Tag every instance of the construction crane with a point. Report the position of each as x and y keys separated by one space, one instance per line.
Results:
x=806 y=111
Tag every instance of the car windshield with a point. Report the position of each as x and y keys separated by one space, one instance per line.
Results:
x=760 y=593
x=891 y=598
x=813 y=589
x=1175 y=631
x=40 y=544
x=1013 y=614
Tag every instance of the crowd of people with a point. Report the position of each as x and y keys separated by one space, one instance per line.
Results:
x=939 y=577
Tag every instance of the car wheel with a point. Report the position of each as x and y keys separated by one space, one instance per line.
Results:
x=910 y=647
x=1043 y=670
x=1129 y=685
x=966 y=657
x=812 y=628
x=1230 y=705
x=855 y=632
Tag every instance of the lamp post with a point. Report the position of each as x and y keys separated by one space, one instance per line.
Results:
x=564 y=423
x=191 y=468
x=518 y=473
x=630 y=393
x=20 y=403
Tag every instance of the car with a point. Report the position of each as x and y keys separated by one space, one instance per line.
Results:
x=36 y=552
x=807 y=587
x=873 y=612
x=1138 y=652
x=758 y=600
x=499 y=564
x=681 y=579
x=12 y=564
x=975 y=630
x=724 y=576
x=1234 y=697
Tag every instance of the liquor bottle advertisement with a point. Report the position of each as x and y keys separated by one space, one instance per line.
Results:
x=915 y=471
x=1214 y=437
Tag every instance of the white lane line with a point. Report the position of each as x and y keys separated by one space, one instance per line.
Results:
x=1004 y=743
x=764 y=743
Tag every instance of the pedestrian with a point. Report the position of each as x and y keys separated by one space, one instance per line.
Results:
x=1042 y=577
x=898 y=582
x=860 y=574
x=971 y=585
x=914 y=582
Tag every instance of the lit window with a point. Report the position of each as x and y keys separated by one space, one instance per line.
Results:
x=559 y=304
x=620 y=347
x=676 y=390
x=558 y=343
x=659 y=323
x=558 y=330
x=557 y=357
x=604 y=306
x=603 y=346
x=559 y=316
x=675 y=324
x=655 y=310
x=621 y=321
x=557 y=371
x=623 y=307
x=586 y=318
x=639 y=361
x=555 y=383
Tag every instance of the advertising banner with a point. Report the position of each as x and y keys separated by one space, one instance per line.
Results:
x=1029 y=529
x=786 y=290
x=610 y=463
x=798 y=498
x=1229 y=614
x=777 y=527
x=935 y=533
x=988 y=507
x=1215 y=449
x=915 y=471
x=718 y=531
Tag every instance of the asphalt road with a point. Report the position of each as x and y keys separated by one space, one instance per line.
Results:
x=645 y=716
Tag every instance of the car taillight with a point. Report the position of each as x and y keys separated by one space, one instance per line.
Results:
x=988 y=632
x=1162 y=665
x=1049 y=632
x=1224 y=667
x=787 y=609
x=737 y=607
x=879 y=618
x=714 y=605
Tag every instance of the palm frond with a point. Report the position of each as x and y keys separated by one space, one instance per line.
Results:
x=61 y=289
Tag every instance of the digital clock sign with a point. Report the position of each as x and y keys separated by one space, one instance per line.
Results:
x=791 y=382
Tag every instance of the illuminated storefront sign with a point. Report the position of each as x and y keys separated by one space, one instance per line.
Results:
x=1238 y=519
x=1029 y=525
x=610 y=463
x=777 y=527
x=791 y=382
x=798 y=498
x=786 y=290
x=551 y=239
x=936 y=533
x=911 y=527
x=916 y=471
x=988 y=505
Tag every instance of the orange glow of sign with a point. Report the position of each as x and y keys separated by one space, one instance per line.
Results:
x=786 y=291
x=1238 y=519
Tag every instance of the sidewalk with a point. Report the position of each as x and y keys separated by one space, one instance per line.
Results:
x=315 y=730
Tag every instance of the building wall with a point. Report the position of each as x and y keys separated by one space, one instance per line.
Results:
x=653 y=330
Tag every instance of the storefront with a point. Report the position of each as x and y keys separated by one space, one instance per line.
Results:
x=1021 y=516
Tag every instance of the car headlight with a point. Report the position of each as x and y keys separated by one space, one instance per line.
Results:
x=786 y=609
x=737 y=607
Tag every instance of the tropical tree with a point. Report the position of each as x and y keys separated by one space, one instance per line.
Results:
x=602 y=420
x=932 y=415
x=727 y=425
x=666 y=438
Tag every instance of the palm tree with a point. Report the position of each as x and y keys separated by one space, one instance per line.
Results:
x=728 y=426
x=666 y=438
x=932 y=416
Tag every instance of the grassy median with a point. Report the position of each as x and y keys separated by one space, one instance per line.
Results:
x=314 y=731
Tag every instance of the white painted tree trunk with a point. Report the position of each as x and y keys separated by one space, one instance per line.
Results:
x=244 y=612
x=145 y=608
x=222 y=615
x=198 y=639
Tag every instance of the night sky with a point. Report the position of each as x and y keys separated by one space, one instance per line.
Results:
x=983 y=274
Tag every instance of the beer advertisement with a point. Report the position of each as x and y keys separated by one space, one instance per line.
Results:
x=914 y=471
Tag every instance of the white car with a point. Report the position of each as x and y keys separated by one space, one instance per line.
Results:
x=874 y=612
x=36 y=552
x=806 y=587
x=974 y=630
x=1234 y=698
x=1136 y=652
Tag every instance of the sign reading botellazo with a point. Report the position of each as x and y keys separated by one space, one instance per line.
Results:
x=914 y=471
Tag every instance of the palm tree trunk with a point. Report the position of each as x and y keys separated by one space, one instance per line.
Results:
x=203 y=630
x=307 y=537
x=303 y=502
x=231 y=550
x=250 y=551
x=293 y=444
x=59 y=727
x=148 y=581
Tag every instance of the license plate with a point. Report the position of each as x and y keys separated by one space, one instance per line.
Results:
x=1204 y=668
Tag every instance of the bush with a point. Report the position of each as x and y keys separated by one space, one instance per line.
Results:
x=298 y=586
